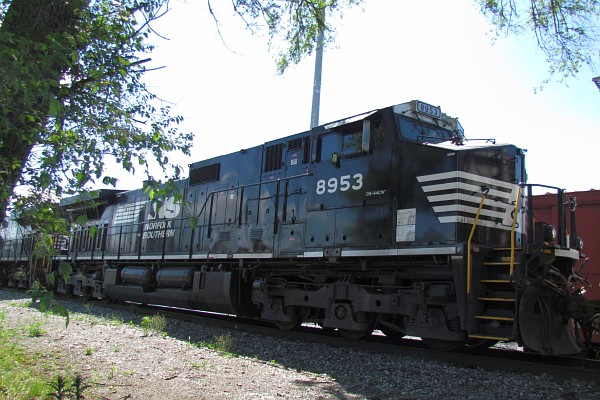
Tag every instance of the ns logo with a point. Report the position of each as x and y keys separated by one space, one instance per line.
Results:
x=168 y=208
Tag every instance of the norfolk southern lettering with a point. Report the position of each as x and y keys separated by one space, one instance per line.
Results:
x=158 y=229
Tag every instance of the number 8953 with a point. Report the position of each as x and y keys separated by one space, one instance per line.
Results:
x=344 y=183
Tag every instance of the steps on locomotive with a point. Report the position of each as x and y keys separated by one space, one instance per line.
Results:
x=493 y=298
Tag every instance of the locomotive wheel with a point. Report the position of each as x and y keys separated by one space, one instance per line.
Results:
x=352 y=334
x=444 y=345
x=288 y=325
x=294 y=319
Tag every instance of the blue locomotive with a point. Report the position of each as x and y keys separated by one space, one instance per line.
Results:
x=386 y=220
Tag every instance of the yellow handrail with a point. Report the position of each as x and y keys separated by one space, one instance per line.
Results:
x=512 y=231
x=469 y=264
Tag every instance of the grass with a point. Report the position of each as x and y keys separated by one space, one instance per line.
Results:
x=24 y=375
x=19 y=378
x=19 y=303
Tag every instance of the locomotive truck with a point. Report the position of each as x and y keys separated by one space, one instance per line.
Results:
x=388 y=220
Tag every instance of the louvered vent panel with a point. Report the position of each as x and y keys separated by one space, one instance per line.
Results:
x=273 y=157
x=224 y=236
x=294 y=144
x=306 y=158
x=256 y=234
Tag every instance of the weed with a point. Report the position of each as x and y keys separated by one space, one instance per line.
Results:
x=60 y=388
x=115 y=320
x=88 y=308
x=78 y=387
x=113 y=372
x=201 y=365
x=222 y=343
x=156 y=323
x=89 y=351
x=63 y=388
x=35 y=329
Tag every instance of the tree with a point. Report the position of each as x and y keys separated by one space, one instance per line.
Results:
x=73 y=95
x=565 y=30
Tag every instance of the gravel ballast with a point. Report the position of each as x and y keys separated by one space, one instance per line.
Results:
x=122 y=361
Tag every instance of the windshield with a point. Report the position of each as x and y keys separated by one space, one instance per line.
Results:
x=419 y=131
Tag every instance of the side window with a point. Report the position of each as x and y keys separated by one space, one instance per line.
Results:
x=330 y=143
x=352 y=143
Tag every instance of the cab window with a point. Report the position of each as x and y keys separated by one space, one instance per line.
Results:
x=352 y=143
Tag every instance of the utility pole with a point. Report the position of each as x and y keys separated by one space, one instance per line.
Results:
x=316 y=100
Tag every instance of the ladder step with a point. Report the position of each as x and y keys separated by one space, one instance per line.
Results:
x=494 y=318
x=496 y=281
x=499 y=263
x=497 y=299
x=490 y=337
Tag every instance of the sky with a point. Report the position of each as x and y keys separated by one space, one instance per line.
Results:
x=386 y=52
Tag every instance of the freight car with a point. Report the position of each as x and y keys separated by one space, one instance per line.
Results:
x=389 y=219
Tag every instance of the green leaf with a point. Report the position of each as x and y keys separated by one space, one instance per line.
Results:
x=66 y=270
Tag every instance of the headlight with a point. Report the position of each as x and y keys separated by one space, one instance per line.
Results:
x=549 y=233
x=579 y=244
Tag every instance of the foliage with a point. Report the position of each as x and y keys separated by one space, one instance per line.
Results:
x=294 y=25
x=47 y=302
x=565 y=30
x=155 y=323
x=74 y=99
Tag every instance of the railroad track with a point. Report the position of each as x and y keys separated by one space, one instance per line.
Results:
x=496 y=358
